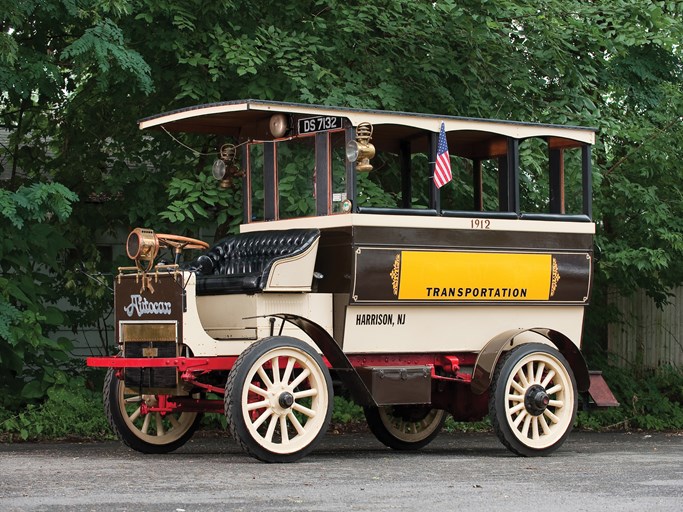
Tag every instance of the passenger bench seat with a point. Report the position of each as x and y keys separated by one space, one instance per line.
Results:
x=243 y=263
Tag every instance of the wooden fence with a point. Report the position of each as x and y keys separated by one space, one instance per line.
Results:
x=649 y=337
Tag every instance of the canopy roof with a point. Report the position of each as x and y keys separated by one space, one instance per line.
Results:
x=231 y=118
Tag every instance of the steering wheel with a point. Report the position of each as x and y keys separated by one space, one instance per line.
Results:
x=180 y=243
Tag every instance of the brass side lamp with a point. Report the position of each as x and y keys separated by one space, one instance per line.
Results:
x=360 y=150
x=224 y=168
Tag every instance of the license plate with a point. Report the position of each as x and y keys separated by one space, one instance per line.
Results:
x=319 y=124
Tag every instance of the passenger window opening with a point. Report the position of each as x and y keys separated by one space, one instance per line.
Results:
x=255 y=208
x=297 y=177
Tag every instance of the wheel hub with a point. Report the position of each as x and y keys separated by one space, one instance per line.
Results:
x=536 y=400
x=286 y=400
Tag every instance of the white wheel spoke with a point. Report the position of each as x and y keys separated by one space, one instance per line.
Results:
x=530 y=373
x=252 y=406
x=271 y=428
x=173 y=420
x=305 y=393
x=303 y=410
x=275 y=363
x=295 y=421
x=515 y=398
x=527 y=424
x=517 y=387
x=264 y=377
x=556 y=403
x=539 y=373
x=544 y=425
x=551 y=416
x=159 y=424
x=133 y=399
x=554 y=389
x=145 y=424
x=259 y=421
x=259 y=391
x=548 y=378
x=302 y=376
x=135 y=414
x=522 y=378
x=284 y=434
x=534 y=428
x=516 y=408
x=519 y=418
x=288 y=370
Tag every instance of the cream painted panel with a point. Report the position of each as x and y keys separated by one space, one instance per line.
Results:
x=450 y=329
x=294 y=273
x=408 y=221
x=227 y=324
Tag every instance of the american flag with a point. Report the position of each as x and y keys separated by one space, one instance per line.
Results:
x=442 y=169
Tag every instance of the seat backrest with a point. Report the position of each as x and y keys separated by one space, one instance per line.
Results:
x=252 y=253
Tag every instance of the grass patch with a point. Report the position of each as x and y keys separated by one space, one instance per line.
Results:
x=70 y=411
x=650 y=400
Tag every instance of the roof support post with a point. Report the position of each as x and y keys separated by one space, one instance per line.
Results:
x=270 y=181
x=557 y=204
x=586 y=170
x=513 y=169
x=323 y=173
x=351 y=172
x=246 y=186
x=478 y=185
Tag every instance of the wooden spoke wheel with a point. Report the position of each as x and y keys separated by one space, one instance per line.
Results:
x=533 y=400
x=278 y=399
x=405 y=427
x=147 y=433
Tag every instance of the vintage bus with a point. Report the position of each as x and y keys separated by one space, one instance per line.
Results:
x=355 y=269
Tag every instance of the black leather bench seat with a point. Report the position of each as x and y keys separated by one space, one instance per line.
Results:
x=241 y=263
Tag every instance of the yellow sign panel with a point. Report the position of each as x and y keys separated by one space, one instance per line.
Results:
x=459 y=276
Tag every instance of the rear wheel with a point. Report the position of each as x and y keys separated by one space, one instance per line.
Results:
x=533 y=400
x=147 y=433
x=405 y=427
x=278 y=399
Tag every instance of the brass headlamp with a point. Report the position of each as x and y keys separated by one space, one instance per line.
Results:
x=142 y=246
x=360 y=150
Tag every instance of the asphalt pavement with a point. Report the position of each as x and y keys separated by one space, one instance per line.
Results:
x=611 y=472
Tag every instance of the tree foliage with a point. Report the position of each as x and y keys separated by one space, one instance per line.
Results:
x=76 y=74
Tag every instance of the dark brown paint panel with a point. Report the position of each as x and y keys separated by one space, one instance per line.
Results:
x=468 y=239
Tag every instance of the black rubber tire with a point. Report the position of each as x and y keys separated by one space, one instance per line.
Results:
x=380 y=423
x=242 y=426
x=501 y=409
x=130 y=435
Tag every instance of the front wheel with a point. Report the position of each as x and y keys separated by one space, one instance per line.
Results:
x=146 y=433
x=533 y=400
x=405 y=427
x=278 y=399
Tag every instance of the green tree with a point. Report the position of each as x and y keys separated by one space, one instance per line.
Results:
x=30 y=248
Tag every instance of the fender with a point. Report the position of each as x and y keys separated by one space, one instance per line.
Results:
x=334 y=354
x=488 y=357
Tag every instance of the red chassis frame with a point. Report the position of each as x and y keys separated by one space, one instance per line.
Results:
x=445 y=370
